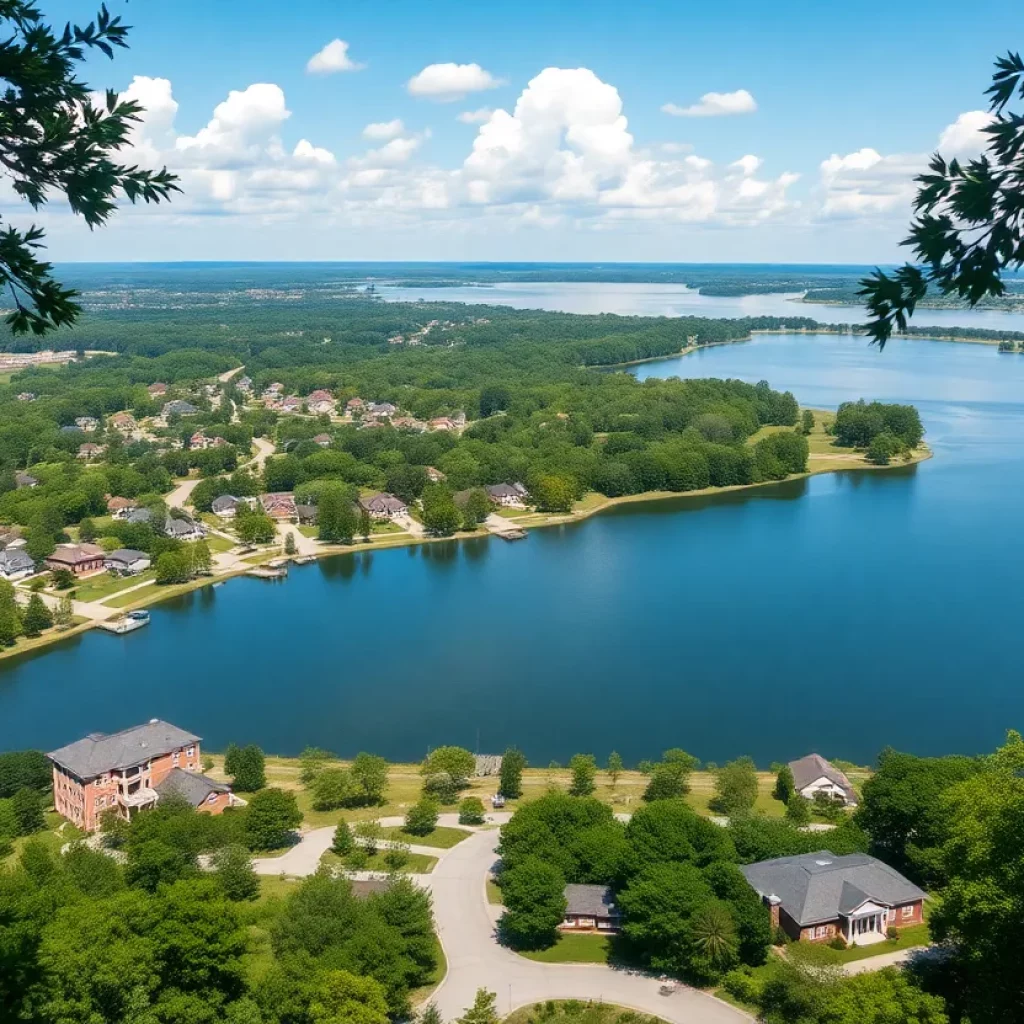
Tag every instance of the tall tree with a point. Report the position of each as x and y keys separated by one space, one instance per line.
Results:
x=510 y=779
x=10 y=616
x=37 y=616
x=615 y=767
x=56 y=139
x=250 y=769
x=584 y=772
x=969 y=227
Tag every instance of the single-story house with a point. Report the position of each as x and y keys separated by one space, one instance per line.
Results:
x=512 y=495
x=26 y=396
x=441 y=423
x=381 y=410
x=122 y=421
x=81 y=559
x=157 y=390
x=590 y=908
x=127 y=561
x=139 y=515
x=323 y=440
x=279 y=505
x=202 y=793
x=813 y=774
x=120 y=508
x=226 y=506
x=184 y=529
x=15 y=564
x=354 y=406
x=307 y=514
x=815 y=897
x=87 y=424
x=178 y=407
x=90 y=450
x=320 y=401
x=25 y=480
x=384 y=506
x=291 y=404
x=244 y=384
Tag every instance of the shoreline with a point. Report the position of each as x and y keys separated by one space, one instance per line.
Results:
x=390 y=542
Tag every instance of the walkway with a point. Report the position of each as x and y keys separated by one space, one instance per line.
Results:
x=466 y=927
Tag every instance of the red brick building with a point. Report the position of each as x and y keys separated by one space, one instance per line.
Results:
x=81 y=559
x=816 y=897
x=131 y=770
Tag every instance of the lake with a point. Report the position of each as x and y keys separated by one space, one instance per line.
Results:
x=840 y=613
x=678 y=300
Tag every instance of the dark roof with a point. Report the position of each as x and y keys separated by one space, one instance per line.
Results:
x=126 y=555
x=816 y=887
x=98 y=753
x=194 y=788
x=813 y=767
x=223 y=502
x=590 y=901
x=180 y=527
x=16 y=560
x=516 y=490
x=382 y=503
x=306 y=511
x=139 y=515
x=25 y=480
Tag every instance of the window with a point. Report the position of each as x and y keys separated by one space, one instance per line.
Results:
x=176 y=758
x=191 y=751
x=821 y=931
x=907 y=911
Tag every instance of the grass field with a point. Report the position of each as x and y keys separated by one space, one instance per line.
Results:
x=574 y=949
x=50 y=837
x=443 y=838
x=573 y=1011
x=135 y=597
x=493 y=893
x=415 y=864
x=96 y=588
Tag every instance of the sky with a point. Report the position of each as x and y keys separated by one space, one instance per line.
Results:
x=736 y=131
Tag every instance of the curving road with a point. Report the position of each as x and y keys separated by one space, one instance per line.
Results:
x=181 y=493
x=466 y=927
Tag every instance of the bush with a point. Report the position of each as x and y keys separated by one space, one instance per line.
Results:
x=471 y=811
x=342 y=843
x=460 y=764
x=892 y=934
x=250 y=769
x=741 y=984
x=442 y=787
x=271 y=816
x=234 y=872
x=421 y=818
x=838 y=942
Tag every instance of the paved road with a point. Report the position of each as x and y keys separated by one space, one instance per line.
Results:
x=181 y=493
x=466 y=928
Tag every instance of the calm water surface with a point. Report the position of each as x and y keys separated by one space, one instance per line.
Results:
x=841 y=614
x=678 y=300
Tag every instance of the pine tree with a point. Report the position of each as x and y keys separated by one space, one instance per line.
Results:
x=510 y=783
x=37 y=616
x=343 y=842
x=430 y=1014
x=10 y=618
x=289 y=543
x=785 y=787
x=483 y=1010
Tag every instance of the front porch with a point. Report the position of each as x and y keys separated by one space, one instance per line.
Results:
x=865 y=925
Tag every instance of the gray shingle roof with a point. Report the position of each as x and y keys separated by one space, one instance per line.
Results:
x=382 y=503
x=590 y=901
x=139 y=515
x=126 y=555
x=516 y=490
x=812 y=767
x=98 y=753
x=817 y=887
x=225 y=501
x=15 y=560
x=194 y=788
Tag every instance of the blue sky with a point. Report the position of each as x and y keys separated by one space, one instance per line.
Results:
x=815 y=166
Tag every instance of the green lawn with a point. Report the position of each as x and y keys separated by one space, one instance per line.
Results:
x=817 y=954
x=574 y=949
x=442 y=838
x=575 y=1011
x=136 y=596
x=50 y=837
x=99 y=587
x=493 y=893
x=415 y=863
x=218 y=545
x=276 y=887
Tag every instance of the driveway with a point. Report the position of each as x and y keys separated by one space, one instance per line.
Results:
x=466 y=927
x=183 y=491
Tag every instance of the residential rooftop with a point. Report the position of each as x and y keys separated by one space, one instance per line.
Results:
x=99 y=753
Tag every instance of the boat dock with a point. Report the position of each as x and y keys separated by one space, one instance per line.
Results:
x=503 y=528
x=268 y=572
x=127 y=623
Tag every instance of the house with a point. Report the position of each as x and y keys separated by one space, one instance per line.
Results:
x=226 y=506
x=15 y=564
x=178 y=407
x=290 y=404
x=458 y=418
x=157 y=390
x=441 y=423
x=320 y=401
x=384 y=506
x=510 y=495
x=408 y=423
x=127 y=561
x=274 y=389
x=122 y=421
x=815 y=897
x=381 y=410
x=25 y=480
x=813 y=774
x=184 y=529
x=139 y=515
x=244 y=384
x=307 y=514
x=202 y=793
x=355 y=406
x=590 y=908
x=126 y=772
x=435 y=476
x=81 y=559
x=26 y=396
x=201 y=442
x=280 y=505
x=87 y=424
x=90 y=450
x=323 y=440
x=120 y=508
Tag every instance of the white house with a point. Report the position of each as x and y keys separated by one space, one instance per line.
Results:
x=384 y=506
x=813 y=774
x=509 y=495
x=225 y=507
x=127 y=561
x=184 y=529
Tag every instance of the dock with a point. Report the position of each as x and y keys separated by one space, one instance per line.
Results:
x=127 y=623
x=268 y=572
x=503 y=528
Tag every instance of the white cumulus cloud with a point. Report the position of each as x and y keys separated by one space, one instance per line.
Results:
x=964 y=137
x=384 y=129
x=332 y=59
x=448 y=82
x=715 y=104
x=475 y=116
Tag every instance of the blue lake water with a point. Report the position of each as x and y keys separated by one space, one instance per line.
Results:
x=840 y=614
x=678 y=300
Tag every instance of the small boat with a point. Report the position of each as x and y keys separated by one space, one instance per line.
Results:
x=127 y=623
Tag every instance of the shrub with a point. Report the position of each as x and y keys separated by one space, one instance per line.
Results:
x=838 y=942
x=421 y=818
x=343 y=842
x=471 y=811
x=892 y=934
